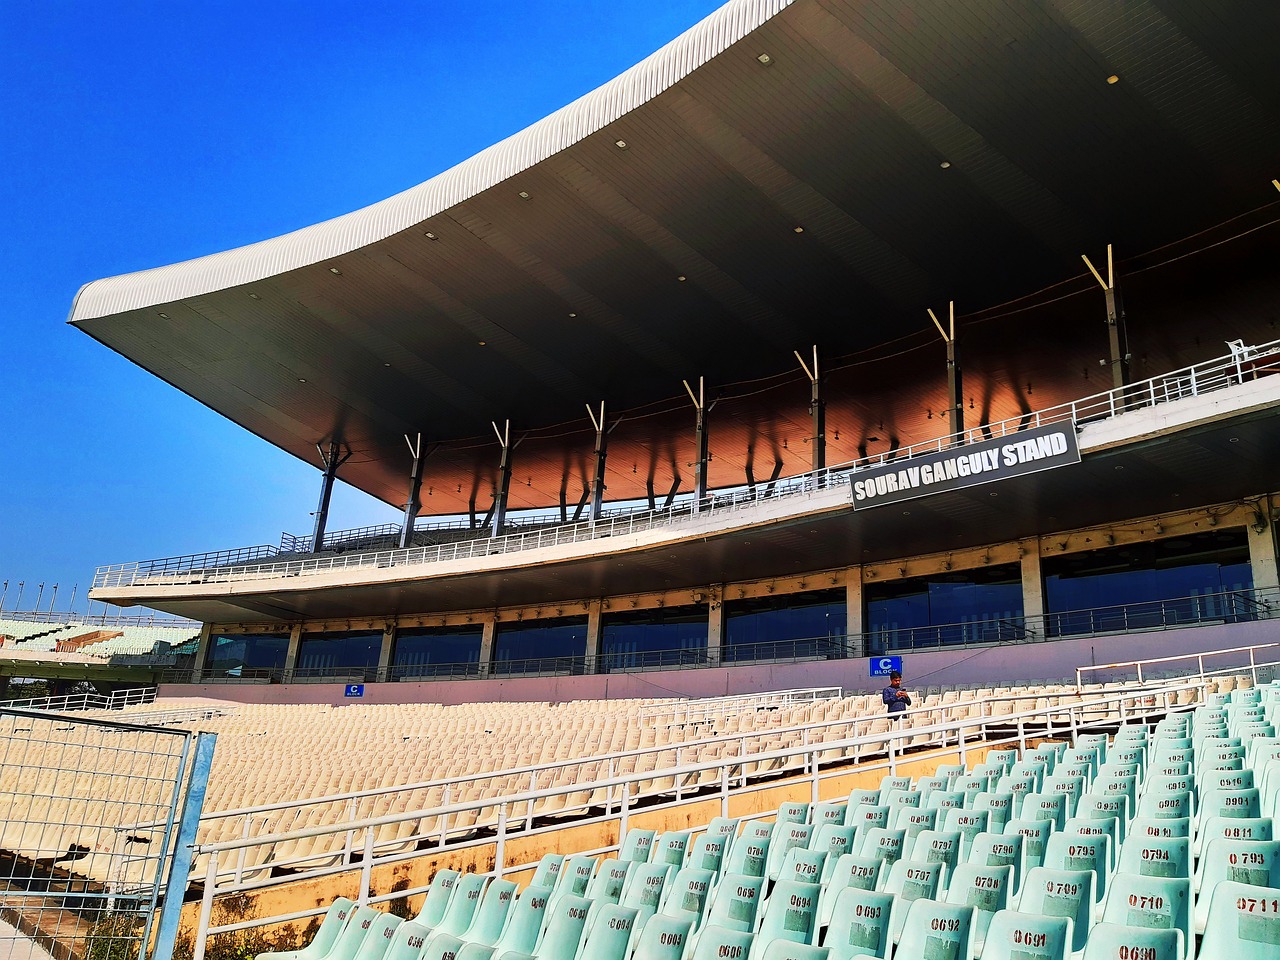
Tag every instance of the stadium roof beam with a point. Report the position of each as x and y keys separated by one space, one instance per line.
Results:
x=414 y=502
x=817 y=410
x=955 y=382
x=601 y=451
x=331 y=462
x=700 y=444
x=503 y=490
x=1117 y=335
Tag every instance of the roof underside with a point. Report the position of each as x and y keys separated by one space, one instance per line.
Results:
x=627 y=270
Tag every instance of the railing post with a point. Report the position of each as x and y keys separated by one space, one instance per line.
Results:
x=366 y=868
x=1253 y=666
x=444 y=817
x=500 y=851
x=813 y=777
x=624 y=813
x=724 y=789
x=206 y=907
x=1022 y=734
x=893 y=759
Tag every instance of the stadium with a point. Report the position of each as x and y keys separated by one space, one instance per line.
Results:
x=830 y=339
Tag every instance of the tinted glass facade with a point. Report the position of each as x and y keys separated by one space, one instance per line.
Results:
x=983 y=605
x=640 y=638
x=247 y=654
x=796 y=624
x=342 y=651
x=436 y=651
x=1204 y=576
x=540 y=646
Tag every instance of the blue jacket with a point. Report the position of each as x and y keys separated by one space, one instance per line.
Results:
x=890 y=697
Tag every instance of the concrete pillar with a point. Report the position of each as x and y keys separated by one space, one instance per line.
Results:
x=384 y=655
x=1032 y=588
x=856 y=645
x=291 y=658
x=486 y=646
x=202 y=653
x=594 y=612
x=1262 y=552
x=715 y=626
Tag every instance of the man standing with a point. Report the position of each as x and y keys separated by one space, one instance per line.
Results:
x=895 y=698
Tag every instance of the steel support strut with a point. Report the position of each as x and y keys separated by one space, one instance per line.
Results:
x=1117 y=334
x=817 y=410
x=414 y=503
x=331 y=462
x=504 y=478
x=601 y=454
x=700 y=441
x=955 y=380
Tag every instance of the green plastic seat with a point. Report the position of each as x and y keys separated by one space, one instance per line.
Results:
x=971 y=785
x=575 y=877
x=896 y=799
x=685 y=896
x=719 y=943
x=999 y=850
x=1157 y=857
x=1242 y=921
x=636 y=845
x=859 y=924
x=915 y=820
x=1231 y=803
x=1152 y=827
x=608 y=935
x=1005 y=758
x=1044 y=806
x=748 y=855
x=1255 y=862
x=610 y=879
x=1072 y=853
x=950 y=771
x=1019 y=785
x=1030 y=766
x=861 y=797
x=890 y=784
x=670 y=848
x=999 y=805
x=926 y=785
x=1083 y=827
x=663 y=938
x=1061 y=893
x=735 y=903
x=967 y=823
x=1170 y=768
x=1072 y=788
x=793 y=812
x=1228 y=780
x=804 y=865
x=491 y=916
x=860 y=873
x=781 y=949
x=786 y=835
x=564 y=930
x=432 y=946
x=829 y=812
x=467 y=892
x=368 y=939
x=987 y=890
x=1162 y=903
x=881 y=844
x=645 y=887
x=527 y=914
x=706 y=852
x=866 y=816
x=547 y=872
x=791 y=914
x=1114 y=807
x=1233 y=828
x=909 y=881
x=834 y=840
x=1035 y=834
x=438 y=893
x=331 y=926
x=937 y=931
x=1166 y=806
x=937 y=846
x=945 y=800
x=1094 y=741
x=1013 y=935
x=992 y=771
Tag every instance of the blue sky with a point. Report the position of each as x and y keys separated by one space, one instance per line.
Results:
x=134 y=134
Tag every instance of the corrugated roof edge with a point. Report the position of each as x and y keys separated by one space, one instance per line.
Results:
x=570 y=124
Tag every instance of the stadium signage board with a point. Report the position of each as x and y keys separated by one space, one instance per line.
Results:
x=883 y=666
x=354 y=690
x=1014 y=455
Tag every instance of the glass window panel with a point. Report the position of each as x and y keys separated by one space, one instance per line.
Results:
x=325 y=653
x=436 y=651
x=662 y=637
x=791 y=625
x=246 y=654
x=983 y=605
x=540 y=646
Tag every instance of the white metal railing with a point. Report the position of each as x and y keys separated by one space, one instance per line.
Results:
x=1195 y=380
x=87 y=701
x=1183 y=658
x=697 y=711
x=715 y=776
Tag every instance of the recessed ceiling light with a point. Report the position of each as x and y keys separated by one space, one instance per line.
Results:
x=336 y=271
x=765 y=59
x=302 y=379
x=483 y=342
x=1119 y=466
x=993 y=494
x=164 y=316
x=682 y=278
x=620 y=144
x=798 y=229
x=1229 y=439
x=386 y=364
x=945 y=164
x=1113 y=79
x=906 y=513
x=524 y=195
x=431 y=236
x=572 y=315
x=254 y=296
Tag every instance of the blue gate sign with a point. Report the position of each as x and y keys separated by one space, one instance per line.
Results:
x=883 y=666
x=354 y=690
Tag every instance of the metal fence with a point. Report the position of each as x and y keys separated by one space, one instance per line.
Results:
x=78 y=878
x=251 y=563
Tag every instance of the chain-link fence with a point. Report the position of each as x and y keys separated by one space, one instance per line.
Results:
x=88 y=815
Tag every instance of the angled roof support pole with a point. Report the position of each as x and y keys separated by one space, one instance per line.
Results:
x=1117 y=334
x=332 y=461
x=601 y=451
x=955 y=380
x=700 y=441
x=414 y=503
x=817 y=410
x=499 y=511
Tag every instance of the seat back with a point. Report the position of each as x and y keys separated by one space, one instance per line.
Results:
x=1044 y=806
x=527 y=914
x=547 y=872
x=939 y=931
x=413 y=941
x=335 y=919
x=971 y=785
x=610 y=879
x=735 y=903
x=1231 y=803
x=606 y=938
x=945 y=800
x=720 y=943
x=670 y=848
x=748 y=855
x=861 y=873
x=491 y=916
x=575 y=877
x=915 y=820
x=1163 y=903
x=1156 y=856
x=1160 y=827
x=937 y=846
x=1243 y=920
x=1061 y=893
x=467 y=891
x=645 y=886
x=1069 y=852
x=1035 y=834
x=866 y=815
x=835 y=840
x=636 y=845
x=790 y=914
x=890 y=784
x=804 y=865
x=382 y=933
x=909 y=881
x=829 y=812
x=786 y=834
x=881 y=844
x=1110 y=827
x=565 y=927
x=857 y=798
x=967 y=823
x=1005 y=758
x=793 y=812
x=999 y=850
x=706 y=852
x=358 y=931
x=859 y=924
x=663 y=938
x=788 y=950
x=999 y=807
x=987 y=890
x=1255 y=862
x=438 y=893
x=1013 y=935
x=686 y=894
